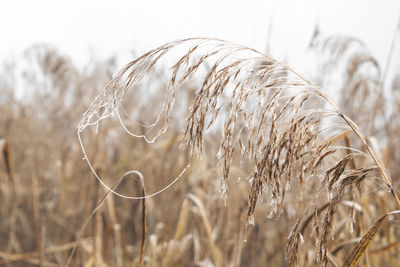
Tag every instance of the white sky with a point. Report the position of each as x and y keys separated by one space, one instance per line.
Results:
x=79 y=27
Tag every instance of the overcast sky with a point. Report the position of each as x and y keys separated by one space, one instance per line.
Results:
x=80 y=28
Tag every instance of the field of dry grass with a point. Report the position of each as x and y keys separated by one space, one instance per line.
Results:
x=206 y=153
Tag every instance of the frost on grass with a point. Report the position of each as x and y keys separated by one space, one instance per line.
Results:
x=266 y=113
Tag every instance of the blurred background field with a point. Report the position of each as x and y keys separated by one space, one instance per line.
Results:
x=49 y=77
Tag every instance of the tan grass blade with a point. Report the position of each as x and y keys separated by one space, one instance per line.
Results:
x=98 y=241
x=332 y=260
x=180 y=227
x=216 y=253
x=116 y=230
x=361 y=246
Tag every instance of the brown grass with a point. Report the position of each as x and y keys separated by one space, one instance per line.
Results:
x=289 y=162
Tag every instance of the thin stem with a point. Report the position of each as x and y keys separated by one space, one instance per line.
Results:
x=376 y=160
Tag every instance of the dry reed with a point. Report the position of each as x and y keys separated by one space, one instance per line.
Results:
x=279 y=145
x=265 y=114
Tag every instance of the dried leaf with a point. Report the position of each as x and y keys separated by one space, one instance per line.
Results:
x=361 y=246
